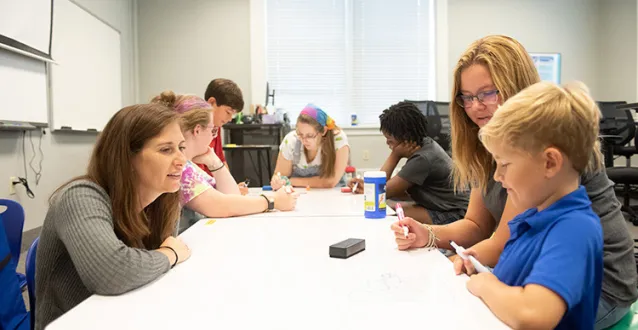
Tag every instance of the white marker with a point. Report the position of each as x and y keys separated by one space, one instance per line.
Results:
x=289 y=189
x=461 y=252
x=401 y=215
x=356 y=183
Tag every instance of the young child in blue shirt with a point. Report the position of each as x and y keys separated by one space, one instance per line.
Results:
x=550 y=271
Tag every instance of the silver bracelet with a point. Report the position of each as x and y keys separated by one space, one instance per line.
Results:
x=431 y=244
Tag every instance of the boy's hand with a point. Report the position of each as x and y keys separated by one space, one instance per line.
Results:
x=480 y=282
x=464 y=266
x=359 y=183
x=405 y=149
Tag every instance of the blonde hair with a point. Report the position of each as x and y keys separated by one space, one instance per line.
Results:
x=512 y=70
x=328 y=152
x=193 y=109
x=547 y=115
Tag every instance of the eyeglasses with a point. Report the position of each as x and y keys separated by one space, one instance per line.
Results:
x=487 y=98
x=306 y=137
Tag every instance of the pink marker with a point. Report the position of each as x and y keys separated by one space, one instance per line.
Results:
x=401 y=215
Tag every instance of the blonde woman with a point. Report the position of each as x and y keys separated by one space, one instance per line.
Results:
x=489 y=72
x=201 y=194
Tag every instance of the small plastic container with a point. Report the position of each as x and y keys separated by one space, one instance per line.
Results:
x=374 y=194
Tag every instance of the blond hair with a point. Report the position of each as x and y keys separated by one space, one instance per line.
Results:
x=193 y=109
x=512 y=70
x=547 y=115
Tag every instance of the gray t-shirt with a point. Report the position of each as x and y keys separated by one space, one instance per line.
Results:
x=429 y=170
x=620 y=279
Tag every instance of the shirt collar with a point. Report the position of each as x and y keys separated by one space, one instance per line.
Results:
x=577 y=199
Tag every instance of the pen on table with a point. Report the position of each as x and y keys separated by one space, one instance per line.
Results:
x=401 y=215
x=461 y=252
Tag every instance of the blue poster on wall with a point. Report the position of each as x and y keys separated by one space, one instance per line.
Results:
x=548 y=66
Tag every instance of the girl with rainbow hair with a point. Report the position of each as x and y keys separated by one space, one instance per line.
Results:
x=315 y=154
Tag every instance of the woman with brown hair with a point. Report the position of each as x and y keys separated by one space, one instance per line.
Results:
x=112 y=230
x=492 y=70
x=203 y=195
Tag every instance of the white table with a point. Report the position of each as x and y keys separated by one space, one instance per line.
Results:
x=258 y=273
x=320 y=203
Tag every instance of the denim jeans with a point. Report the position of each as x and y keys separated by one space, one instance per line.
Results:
x=608 y=314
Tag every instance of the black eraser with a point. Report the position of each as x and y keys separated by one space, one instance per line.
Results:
x=347 y=248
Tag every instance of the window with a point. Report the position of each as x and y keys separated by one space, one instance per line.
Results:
x=349 y=56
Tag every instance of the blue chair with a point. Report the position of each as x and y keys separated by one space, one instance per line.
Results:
x=30 y=270
x=13 y=220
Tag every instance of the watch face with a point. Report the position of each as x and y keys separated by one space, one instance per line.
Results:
x=271 y=205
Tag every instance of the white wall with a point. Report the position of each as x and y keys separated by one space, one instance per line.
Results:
x=65 y=155
x=568 y=27
x=617 y=51
x=185 y=44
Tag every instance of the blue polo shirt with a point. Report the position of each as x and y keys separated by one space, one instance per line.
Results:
x=560 y=248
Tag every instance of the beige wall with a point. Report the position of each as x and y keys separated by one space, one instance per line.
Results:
x=568 y=27
x=184 y=44
x=617 y=51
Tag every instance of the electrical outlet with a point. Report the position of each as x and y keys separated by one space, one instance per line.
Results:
x=12 y=189
x=366 y=155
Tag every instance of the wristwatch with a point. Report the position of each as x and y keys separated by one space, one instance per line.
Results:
x=271 y=204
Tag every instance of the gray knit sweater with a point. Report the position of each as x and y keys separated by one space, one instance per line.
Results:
x=79 y=254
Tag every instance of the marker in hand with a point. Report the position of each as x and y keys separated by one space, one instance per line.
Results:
x=461 y=252
x=356 y=183
x=401 y=215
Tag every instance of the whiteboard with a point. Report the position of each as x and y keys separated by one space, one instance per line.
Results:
x=27 y=22
x=23 y=88
x=86 y=83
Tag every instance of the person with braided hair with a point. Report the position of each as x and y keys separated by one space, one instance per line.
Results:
x=425 y=177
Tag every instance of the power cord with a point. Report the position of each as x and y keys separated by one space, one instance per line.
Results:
x=38 y=172
x=25 y=183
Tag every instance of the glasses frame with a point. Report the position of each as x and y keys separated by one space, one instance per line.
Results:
x=480 y=97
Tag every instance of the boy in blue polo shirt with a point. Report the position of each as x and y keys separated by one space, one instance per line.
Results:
x=550 y=271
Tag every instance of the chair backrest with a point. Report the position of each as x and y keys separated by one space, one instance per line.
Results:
x=13 y=222
x=443 y=108
x=431 y=112
x=617 y=122
x=30 y=270
x=444 y=113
